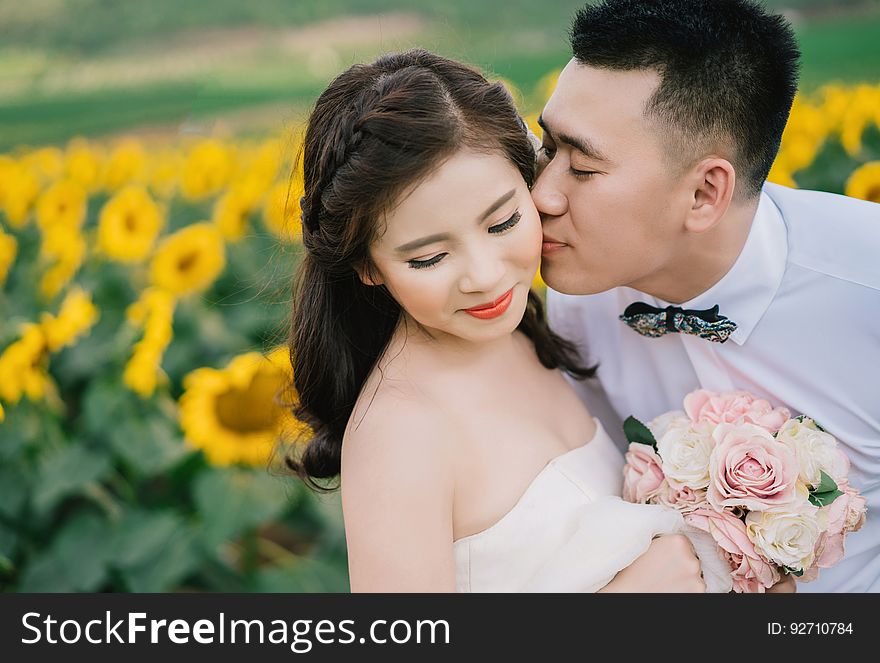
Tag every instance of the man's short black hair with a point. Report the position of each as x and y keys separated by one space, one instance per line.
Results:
x=728 y=70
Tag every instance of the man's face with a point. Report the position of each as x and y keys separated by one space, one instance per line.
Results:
x=612 y=210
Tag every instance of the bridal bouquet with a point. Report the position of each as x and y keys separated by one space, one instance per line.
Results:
x=770 y=489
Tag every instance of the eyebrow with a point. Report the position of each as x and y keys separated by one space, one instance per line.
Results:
x=440 y=237
x=581 y=144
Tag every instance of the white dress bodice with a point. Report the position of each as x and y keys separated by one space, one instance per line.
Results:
x=570 y=531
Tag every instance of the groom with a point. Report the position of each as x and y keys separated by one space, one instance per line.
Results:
x=657 y=144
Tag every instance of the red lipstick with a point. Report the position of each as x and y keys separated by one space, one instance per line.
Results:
x=492 y=309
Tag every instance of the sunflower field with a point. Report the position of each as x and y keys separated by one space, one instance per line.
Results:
x=144 y=380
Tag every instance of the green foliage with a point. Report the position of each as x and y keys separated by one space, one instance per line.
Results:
x=826 y=492
x=638 y=433
x=99 y=491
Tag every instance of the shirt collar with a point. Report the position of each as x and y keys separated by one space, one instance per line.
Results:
x=748 y=288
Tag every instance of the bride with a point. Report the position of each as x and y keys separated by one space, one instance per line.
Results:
x=424 y=366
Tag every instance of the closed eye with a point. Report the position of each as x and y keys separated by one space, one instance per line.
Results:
x=507 y=225
x=430 y=262
x=582 y=174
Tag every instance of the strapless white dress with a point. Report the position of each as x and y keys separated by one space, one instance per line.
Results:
x=571 y=531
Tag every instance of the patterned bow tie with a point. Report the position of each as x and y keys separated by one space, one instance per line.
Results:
x=649 y=320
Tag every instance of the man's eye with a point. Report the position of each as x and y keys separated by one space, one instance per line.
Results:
x=582 y=174
x=430 y=262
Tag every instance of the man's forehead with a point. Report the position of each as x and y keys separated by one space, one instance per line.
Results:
x=580 y=84
x=588 y=98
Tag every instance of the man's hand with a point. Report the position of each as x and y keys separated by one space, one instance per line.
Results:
x=669 y=565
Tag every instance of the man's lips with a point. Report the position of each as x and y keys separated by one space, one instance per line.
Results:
x=550 y=244
x=492 y=304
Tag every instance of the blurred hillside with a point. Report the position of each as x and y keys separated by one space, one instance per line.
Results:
x=98 y=67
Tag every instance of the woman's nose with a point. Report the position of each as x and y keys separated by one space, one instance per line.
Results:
x=484 y=273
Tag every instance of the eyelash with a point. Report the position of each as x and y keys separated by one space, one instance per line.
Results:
x=577 y=174
x=501 y=228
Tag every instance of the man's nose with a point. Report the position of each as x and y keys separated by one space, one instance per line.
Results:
x=549 y=200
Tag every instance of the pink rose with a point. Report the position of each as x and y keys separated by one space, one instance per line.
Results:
x=749 y=468
x=642 y=474
x=683 y=499
x=845 y=514
x=734 y=407
x=751 y=573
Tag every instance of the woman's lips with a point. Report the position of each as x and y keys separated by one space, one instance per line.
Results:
x=493 y=309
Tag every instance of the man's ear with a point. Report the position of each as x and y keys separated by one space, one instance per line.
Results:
x=714 y=180
x=368 y=274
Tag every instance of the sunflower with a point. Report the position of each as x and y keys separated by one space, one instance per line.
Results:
x=62 y=204
x=76 y=317
x=20 y=189
x=8 y=166
x=47 y=163
x=164 y=173
x=23 y=367
x=781 y=174
x=233 y=414
x=232 y=212
x=864 y=182
x=265 y=162
x=207 y=170
x=129 y=224
x=281 y=212
x=83 y=164
x=861 y=112
x=65 y=248
x=155 y=311
x=8 y=251
x=189 y=260
x=127 y=164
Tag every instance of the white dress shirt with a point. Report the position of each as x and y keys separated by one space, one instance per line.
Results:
x=805 y=295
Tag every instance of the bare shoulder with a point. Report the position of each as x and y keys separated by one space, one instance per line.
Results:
x=397 y=498
x=397 y=435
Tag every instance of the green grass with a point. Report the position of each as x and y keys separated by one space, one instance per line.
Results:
x=846 y=49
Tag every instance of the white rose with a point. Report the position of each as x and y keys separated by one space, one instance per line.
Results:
x=816 y=451
x=787 y=537
x=659 y=425
x=685 y=449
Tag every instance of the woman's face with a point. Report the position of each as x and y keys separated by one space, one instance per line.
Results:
x=460 y=250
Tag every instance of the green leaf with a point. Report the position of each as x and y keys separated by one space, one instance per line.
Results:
x=8 y=547
x=303 y=575
x=65 y=472
x=826 y=492
x=141 y=536
x=75 y=561
x=13 y=491
x=638 y=433
x=28 y=426
x=163 y=571
x=232 y=500
x=106 y=404
x=148 y=446
x=793 y=572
